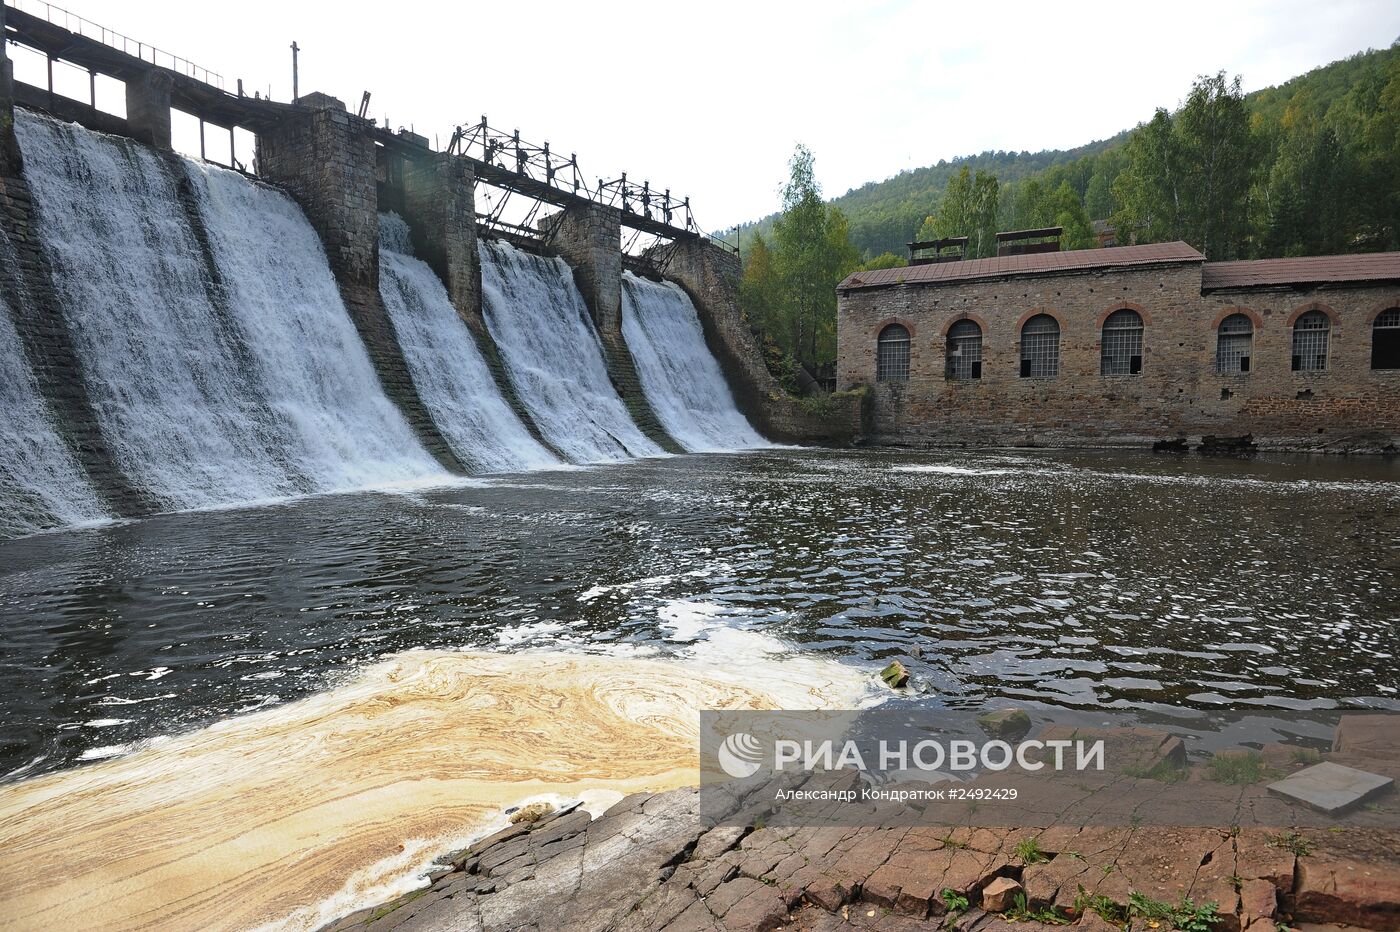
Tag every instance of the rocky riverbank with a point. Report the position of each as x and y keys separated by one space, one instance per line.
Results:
x=651 y=863
x=648 y=864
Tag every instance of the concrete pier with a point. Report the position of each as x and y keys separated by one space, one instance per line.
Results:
x=325 y=158
x=589 y=238
x=148 y=108
x=9 y=148
x=435 y=194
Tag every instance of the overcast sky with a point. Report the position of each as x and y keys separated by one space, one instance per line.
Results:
x=708 y=98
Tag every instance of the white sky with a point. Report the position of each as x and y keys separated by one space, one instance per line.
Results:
x=709 y=98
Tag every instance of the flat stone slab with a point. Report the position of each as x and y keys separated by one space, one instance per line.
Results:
x=1331 y=788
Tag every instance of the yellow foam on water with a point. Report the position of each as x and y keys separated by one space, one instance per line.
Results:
x=290 y=816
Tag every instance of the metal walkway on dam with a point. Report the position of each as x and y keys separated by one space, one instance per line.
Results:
x=522 y=170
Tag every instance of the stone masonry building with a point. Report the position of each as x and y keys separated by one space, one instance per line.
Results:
x=1125 y=345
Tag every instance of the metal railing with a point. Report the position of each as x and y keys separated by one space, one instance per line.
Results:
x=115 y=40
x=507 y=151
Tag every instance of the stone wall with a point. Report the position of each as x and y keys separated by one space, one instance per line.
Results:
x=325 y=158
x=1177 y=393
x=710 y=275
x=589 y=238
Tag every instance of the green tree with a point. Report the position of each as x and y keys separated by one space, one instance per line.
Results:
x=1068 y=213
x=1148 y=190
x=789 y=288
x=1215 y=140
x=885 y=260
x=758 y=288
x=969 y=208
x=1189 y=177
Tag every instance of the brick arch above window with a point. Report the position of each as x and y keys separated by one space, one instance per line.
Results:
x=1036 y=312
x=1123 y=306
x=902 y=321
x=1232 y=310
x=1380 y=309
x=1299 y=311
x=943 y=334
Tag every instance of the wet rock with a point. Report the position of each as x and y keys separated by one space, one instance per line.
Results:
x=1006 y=724
x=895 y=675
x=531 y=813
x=1000 y=895
x=1212 y=445
x=1373 y=736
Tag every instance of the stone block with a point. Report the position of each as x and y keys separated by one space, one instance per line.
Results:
x=1331 y=788
x=1373 y=736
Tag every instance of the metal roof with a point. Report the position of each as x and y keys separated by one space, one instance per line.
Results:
x=1044 y=263
x=1376 y=266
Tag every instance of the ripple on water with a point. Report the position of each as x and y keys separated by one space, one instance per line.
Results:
x=1090 y=576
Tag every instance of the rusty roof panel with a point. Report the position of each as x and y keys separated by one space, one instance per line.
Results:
x=1376 y=266
x=1075 y=260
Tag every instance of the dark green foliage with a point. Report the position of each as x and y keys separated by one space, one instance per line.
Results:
x=1309 y=167
x=788 y=289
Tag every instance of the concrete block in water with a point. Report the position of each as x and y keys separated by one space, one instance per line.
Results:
x=1331 y=788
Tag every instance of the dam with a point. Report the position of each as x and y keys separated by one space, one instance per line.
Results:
x=336 y=313
x=358 y=494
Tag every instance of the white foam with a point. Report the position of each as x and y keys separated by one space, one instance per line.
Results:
x=449 y=372
x=554 y=357
x=681 y=378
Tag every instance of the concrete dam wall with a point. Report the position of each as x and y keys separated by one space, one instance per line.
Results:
x=176 y=335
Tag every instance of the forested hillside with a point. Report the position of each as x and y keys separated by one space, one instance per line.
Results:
x=1313 y=162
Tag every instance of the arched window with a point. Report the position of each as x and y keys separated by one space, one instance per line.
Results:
x=1234 y=343
x=1122 y=343
x=964 y=351
x=892 y=355
x=1385 y=340
x=1310 y=342
x=1040 y=347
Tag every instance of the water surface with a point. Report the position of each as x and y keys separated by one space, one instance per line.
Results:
x=1080 y=579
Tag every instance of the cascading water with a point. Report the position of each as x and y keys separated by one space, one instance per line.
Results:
x=253 y=386
x=679 y=374
x=343 y=432
x=41 y=485
x=554 y=357
x=451 y=374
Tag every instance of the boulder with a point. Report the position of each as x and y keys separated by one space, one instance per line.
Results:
x=531 y=813
x=1006 y=724
x=895 y=675
x=1000 y=895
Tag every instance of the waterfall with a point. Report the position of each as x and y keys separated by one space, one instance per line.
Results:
x=451 y=374
x=554 y=356
x=314 y=370
x=679 y=374
x=220 y=378
x=41 y=485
